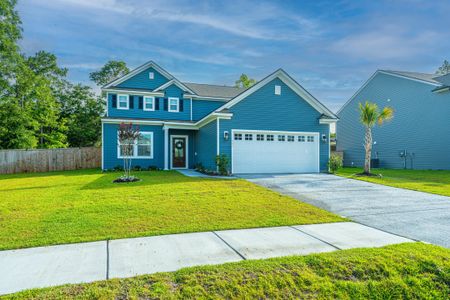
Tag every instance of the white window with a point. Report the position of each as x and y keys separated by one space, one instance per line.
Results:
x=149 y=103
x=281 y=138
x=174 y=105
x=151 y=75
x=238 y=136
x=260 y=137
x=278 y=90
x=291 y=138
x=310 y=138
x=301 y=138
x=269 y=137
x=122 y=101
x=139 y=148
x=248 y=137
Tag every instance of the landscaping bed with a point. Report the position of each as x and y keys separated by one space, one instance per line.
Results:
x=77 y=206
x=430 y=181
x=405 y=271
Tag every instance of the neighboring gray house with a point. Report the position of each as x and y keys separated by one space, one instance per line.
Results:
x=420 y=127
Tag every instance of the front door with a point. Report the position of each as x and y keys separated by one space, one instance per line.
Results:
x=178 y=152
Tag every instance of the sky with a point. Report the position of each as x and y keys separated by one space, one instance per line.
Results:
x=330 y=47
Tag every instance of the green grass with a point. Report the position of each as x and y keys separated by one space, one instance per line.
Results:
x=78 y=206
x=435 y=182
x=405 y=271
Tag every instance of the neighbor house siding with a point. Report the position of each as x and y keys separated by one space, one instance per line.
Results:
x=205 y=145
x=110 y=159
x=263 y=110
x=420 y=125
x=142 y=81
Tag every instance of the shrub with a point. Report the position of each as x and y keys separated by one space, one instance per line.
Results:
x=118 y=168
x=137 y=168
x=153 y=168
x=335 y=163
x=222 y=162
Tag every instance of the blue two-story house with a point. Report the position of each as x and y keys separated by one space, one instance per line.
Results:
x=275 y=126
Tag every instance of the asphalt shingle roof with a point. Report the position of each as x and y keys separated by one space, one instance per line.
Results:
x=210 y=90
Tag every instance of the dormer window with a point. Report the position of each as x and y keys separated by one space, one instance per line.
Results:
x=151 y=75
x=122 y=102
x=174 y=105
x=149 y=103
x=278 y=90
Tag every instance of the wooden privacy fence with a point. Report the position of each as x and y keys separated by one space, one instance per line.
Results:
x=44 y=160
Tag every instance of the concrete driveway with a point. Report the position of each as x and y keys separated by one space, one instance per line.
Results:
x=416 y=215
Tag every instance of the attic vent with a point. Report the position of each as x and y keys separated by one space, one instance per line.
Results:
x=151 y=75
x=278 y=90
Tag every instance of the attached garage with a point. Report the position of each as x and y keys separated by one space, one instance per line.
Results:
x=255 y=151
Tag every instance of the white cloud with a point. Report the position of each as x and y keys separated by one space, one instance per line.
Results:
x=83 y=66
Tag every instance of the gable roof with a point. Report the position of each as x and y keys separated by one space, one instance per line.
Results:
x=291 y=83
x=139 y=69
x=176 y=82
x=211 y=90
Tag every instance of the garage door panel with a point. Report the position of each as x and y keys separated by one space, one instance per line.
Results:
x=263 y=156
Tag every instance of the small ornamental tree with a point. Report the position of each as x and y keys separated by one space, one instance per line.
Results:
x=128 y=134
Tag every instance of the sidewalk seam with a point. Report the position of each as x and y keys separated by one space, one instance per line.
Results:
x=323 y=241
x=226 y=243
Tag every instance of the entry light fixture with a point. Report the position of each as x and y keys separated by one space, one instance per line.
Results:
x=226 y=135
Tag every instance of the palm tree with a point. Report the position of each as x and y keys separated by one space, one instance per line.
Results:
x=370 y=115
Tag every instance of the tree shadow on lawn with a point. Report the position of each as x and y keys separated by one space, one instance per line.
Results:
x=146 y=178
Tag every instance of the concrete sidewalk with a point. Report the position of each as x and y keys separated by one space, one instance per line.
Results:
x=86 y=262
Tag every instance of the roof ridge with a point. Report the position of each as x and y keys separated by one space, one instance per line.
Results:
x=226 y=86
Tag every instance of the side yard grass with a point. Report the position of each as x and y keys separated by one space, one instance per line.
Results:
x=430 y=181
x=405 y=271
x=78 y=206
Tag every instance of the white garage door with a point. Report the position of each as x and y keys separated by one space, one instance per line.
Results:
x=275 y=152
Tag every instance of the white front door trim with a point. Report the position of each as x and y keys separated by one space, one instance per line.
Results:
x=187 y=151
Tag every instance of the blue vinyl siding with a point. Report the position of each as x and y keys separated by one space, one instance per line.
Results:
x=110 y=159
x=420 y=125
x=263 y=110
x=206 y=145
x=201 y=108
x=142 y=81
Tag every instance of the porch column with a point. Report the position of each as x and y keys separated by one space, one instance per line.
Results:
x=166 y=148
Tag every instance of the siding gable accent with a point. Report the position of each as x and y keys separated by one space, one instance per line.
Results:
x=290 y=82
x=149 y=64
x=176 y=82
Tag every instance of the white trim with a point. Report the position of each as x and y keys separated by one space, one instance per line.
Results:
x=153 y=103
x=135 y=147
x=277 y=90
x=168 y=104
x=218 y=137
x=134 y=92
x=275 y=132
x=373 y=76
x=175 y=82
x=139 y=69
x=291 y=83
x=209 y=98
x=166 y=148
x=103 y=150
x=107 y=103
x=151 y=75
x=118 y=102
x=187 y=151
x=327 y=121
x=142 y=122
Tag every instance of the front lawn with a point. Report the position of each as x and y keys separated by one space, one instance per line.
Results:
x=435 y=182
x=84 y=205
x=405 y=271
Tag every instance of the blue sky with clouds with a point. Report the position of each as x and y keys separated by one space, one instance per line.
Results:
x=330 y=47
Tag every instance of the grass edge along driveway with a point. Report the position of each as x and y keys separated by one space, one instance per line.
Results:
x=429 y=181
x=84 y=205
x=410 y=270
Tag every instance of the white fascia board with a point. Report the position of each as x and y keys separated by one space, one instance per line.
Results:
x=328 y=121
x=213 y=116
x=407 y=77
x=134 y=92
x=177 y=83
x=143 y=122
x=138 y=70
x=291 y=83
x=208 y=98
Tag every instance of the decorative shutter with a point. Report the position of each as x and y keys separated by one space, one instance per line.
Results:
x=114 y=100
x=156 y=103
x=141 y=102
x=180 y=104
x=166 y=104
x=131 y=101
